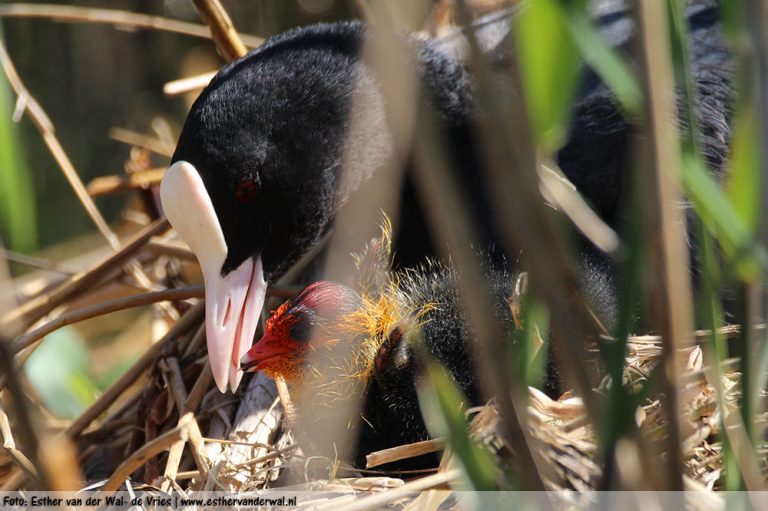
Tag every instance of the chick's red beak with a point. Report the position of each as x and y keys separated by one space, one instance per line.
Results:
x=265 y=354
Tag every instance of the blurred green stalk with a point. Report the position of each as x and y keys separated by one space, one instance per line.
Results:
x=18 y=212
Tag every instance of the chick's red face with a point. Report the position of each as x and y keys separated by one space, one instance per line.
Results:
x=283 y=347
x=299 y=327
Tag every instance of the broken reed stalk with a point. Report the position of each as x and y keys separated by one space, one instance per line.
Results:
x=175 y=384
x=116 y=17
x=402 y=452
x=148 y=451
x=564 y=196
x=33 y=310
x=170 y=248
x=199 y=389
x=35 y=262
x=27 y=103
x=23 y=463
x=5 y=428
x=187 y=321
x=103 y=308
x=27 y=433
x=664 y=227
x=141 y=180
x=135 y=139
x=439 y=480
x=223 y=31
x=174 y=381
x=267 y=457
x=188 y=84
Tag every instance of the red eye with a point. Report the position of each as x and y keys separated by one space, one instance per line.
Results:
x=246 y=191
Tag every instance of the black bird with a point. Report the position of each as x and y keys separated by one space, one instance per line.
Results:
x=256 y=177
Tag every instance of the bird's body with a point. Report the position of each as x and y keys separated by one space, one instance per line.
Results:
x=597 y=156
x=267 y=156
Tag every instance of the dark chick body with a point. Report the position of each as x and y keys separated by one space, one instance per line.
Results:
x=392 y=413
x=379 y=336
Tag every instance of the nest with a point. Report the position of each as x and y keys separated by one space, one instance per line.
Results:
x=165 y=427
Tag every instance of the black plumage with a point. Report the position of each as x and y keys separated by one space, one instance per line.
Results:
x=391 y=411
x=597 y=156
x=281 y=115
x=271 y=134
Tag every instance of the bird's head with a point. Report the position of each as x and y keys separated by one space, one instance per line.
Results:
x=321 y=316
x=255 y=179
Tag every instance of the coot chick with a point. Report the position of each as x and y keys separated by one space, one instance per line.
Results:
x=338 y=344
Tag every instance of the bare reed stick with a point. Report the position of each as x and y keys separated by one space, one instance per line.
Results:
x=116 y=17
x=187 y=321
x=223 y=31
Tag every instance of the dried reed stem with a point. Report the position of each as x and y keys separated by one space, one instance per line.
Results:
x=285 y=399
x=27 y=433
x=141 y=180
x=33 y=310
x=187 y=321
x=141 y=140
x=34 y=262
x=563 y=194
x=58 y=457
x=148 y=451
x=170 y=248
x=27 y=103
x=5 y=429
x=172 y=464
x=402 y=452
x=23 y=463
x=665 y=227
x=266 y=457
x=44 y=125
x=199 y=389
x=223 y=31
x=188 y=84
x=119 y=18
x=197 y=445
x=14 y=481
x=103 y=308
x=172 y=372
x=439 y=480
